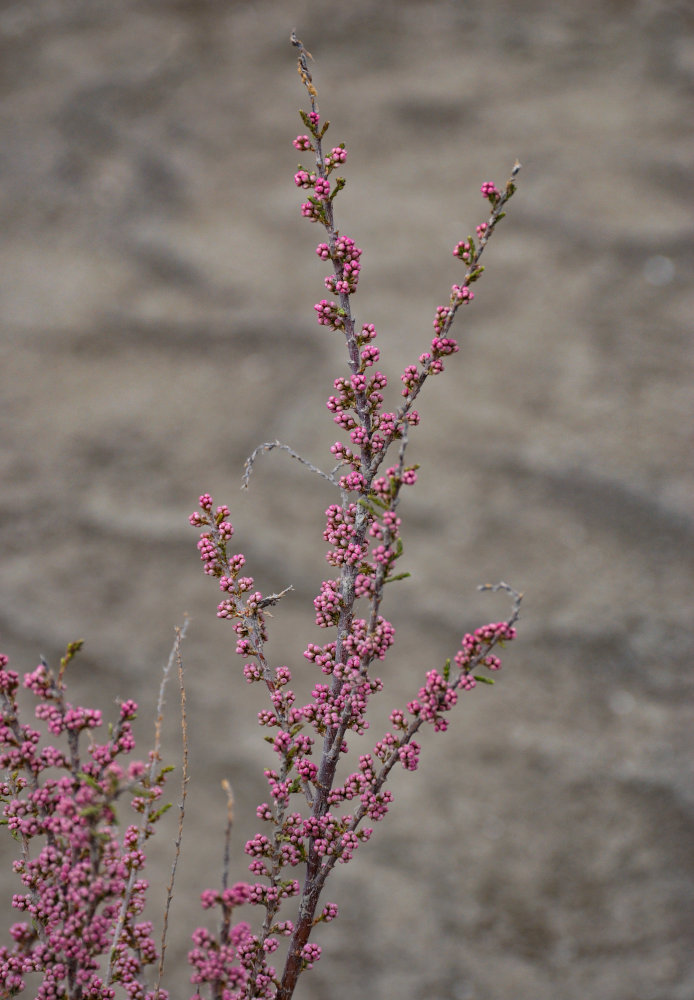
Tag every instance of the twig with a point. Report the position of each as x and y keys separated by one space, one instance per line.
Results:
x=273 y=599
x=268 y=446
x=304 y=73
x=182 y=805
x=147 y=812
x=226 y=912
x=517 y=596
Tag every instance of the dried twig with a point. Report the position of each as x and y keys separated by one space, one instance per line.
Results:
x=268 y=446
x=182 y=804
x=174 y=656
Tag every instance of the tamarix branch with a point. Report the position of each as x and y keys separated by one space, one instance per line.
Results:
x=308 y=829
x=83 y=882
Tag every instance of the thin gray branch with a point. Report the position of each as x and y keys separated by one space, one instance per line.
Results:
x=268 y=446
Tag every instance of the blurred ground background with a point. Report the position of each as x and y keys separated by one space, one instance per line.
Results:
x=157 y=286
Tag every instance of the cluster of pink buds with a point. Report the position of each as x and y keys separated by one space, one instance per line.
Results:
x=336 y=156
x=476 y=647
x=329 y=314
x=489 y=191
x=303 y=144
x=464 y=251
x=344 y=281
x=84 y=890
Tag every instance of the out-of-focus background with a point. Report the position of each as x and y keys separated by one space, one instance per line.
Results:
x=157 y=287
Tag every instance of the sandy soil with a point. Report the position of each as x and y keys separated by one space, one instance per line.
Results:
x=156 y=288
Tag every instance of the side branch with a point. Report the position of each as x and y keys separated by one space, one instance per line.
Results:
x=517 y=596
x=268 y=446
x=180 y=632
x=155 y=760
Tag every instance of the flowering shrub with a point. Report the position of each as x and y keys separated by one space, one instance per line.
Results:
x=83 y=884
x=83 y=881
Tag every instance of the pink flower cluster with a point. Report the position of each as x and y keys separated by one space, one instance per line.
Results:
x=83 y=887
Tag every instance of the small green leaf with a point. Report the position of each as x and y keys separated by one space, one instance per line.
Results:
x=90 y=812
x=483 y=680
x=89 y=780
x=340 y=182
x=367 y=506
x=376 y=500
x=72 y=649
